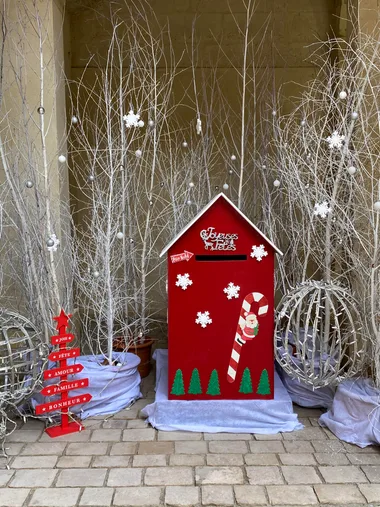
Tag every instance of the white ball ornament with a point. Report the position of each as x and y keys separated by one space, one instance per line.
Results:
x=233 y=158
x=138 y=153
x=276 y=183
x=120 y=235
x=303 y=123
x=151 y=123
x=29 y=184
x=274 y=113
x=191 y=184
x=189 y=202
x=342 y=95
x=225 y=186
x=354 y=115
x=49 y=243
x=377 y=206
x=96 y=274
x=184 y=144
x=351 y=170
x=74 y=120
x=230 y=171
x=62 y=159
x=91 y=178
x=140 y=123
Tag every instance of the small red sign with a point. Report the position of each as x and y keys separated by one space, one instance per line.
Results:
x=64 y=354
x=184 y=256
x=64 y=387
x=63 y=338
x=60 y=404
x=59 y=372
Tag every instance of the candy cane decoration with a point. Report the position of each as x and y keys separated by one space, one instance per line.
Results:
x=242 y=335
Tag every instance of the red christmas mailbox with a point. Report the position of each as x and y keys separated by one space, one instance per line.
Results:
x=220 y=307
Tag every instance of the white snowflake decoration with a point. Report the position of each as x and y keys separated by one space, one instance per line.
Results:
x=131 y=119
x=322 y=210
x=54 y=247
x=335 y=140
x=184 y=281
x=203 y=318
x=258 y=252
x=232 y=290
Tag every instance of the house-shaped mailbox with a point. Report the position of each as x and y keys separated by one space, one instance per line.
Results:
x=220 y=307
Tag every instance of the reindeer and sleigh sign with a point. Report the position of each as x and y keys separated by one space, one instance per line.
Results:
x=220 y=307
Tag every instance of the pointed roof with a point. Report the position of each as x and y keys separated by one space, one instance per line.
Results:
x=192 y=222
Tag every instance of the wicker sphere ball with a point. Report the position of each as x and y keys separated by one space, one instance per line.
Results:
x=318 y=334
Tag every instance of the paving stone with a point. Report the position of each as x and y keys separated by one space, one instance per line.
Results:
x=190 y=447
x=115 y=424
x=224 y=459
x=156 y=448
x=178 y=435
x=127 y=413
x=217 y=495
x=311 y=433
x=104 y=435
x=364 y=459
x=338 y=493
x=300 y=475
x=181 y=495
x=137 y=497
x=306 y=421
x=228 y=436
x=124 y=448
x=34 y=461
x=138 y=435
x=329 y=446
x=226 y=446
x=13 y=448
x=336 y=475
x=264 y=475
x=43 y=477
x=94 y=449
x=274 y=436
x=297 y=459
x=291 y=495
x=218 y=475
x=13 y=497
x=97 y=496
x=298 y=447
x=74 y=462
x=262 y=447
x=372 y=472
x=261 y=459
x=125 y=477
x=93 y=424
x=330 y=434
x=81 y=477
x=39 y=449
x=371 y=492
x=24 y=436
x=336 y=458
x=79 y=436
x=190 y=460
x=5 y=476
x=122 y=461
x=33 y=424
x=54 y=497
x=250 y=495
x=308 y=412
x=365 y=450
x=169 y=476
x=149 y=460
x=137 y=423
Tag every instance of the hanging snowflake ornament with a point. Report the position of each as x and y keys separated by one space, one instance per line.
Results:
x=258 y=252
x=322 y=209
x=335 y=140
x=132 y=120
x=203 y=318
x=52 y=243
x=184 y=281
x=232 y=290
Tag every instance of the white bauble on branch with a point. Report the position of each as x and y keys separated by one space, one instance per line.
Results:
x=233 y=158
x=140 y=123
x=151 y=123
x=138 y=153
x=377 y=205
x=303 y=123
x=276 y=183
x=342 y=95
x=184 y=144
x=191 y=184
x=225 y=186
x=96 y=274
x=120 y=235
x=29 y=184
x=62 y=159
x=189 y=202
x=351 y=170
x=230 y=171
x=91 y=178
x=354 y=115
x=74 y=120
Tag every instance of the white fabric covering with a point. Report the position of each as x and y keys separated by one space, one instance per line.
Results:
x=212 y=416
x=355 y=414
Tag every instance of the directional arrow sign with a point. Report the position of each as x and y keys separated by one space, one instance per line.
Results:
x=184 y=256
x=63 y=338
x=60 y=404
x=59 y=372
x=64 y=387
x=64 y=354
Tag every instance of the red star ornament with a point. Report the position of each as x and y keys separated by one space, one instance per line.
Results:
x=62 y=321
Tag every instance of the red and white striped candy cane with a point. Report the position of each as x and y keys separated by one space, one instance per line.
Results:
x=253 y=297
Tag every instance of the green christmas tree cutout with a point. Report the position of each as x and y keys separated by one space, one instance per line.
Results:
x=195 y=383
x=213 y=388
x=178 y=387
x=246 y=382
x=264 y=386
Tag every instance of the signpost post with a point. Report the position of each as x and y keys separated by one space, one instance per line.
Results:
x=63 y=387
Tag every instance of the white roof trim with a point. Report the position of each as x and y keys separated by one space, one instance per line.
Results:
x=190 y=224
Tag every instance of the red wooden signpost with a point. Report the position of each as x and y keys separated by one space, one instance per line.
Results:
x=64 y=386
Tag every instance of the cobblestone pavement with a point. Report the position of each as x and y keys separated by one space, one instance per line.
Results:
x=120 y=461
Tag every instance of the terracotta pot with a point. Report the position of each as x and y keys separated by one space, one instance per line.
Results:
x=142 y=350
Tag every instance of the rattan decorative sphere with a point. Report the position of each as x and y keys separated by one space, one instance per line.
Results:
x=319 y=334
